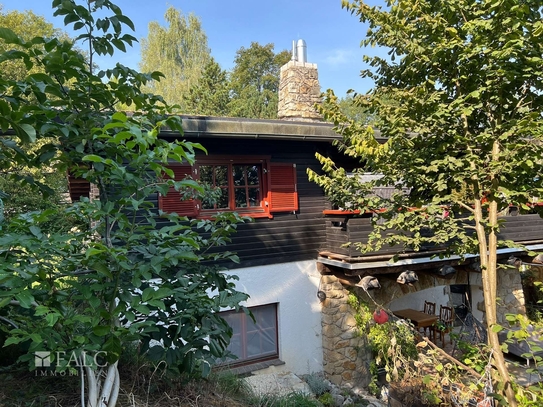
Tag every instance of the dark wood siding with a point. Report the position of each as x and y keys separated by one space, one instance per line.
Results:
x=341 y=229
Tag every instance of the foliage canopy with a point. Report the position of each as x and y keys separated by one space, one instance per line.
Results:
x=179 y=51
x=134 y=274
x=459 y=102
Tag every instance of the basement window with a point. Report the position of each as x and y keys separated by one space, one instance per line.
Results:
x=253 y=341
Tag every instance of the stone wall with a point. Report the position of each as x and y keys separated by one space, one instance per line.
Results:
x=299 y=90
x=346 y=356
x=510 y=295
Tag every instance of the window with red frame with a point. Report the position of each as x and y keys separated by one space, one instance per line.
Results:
x=254 y=341
x=240 y=184
x=252 y=186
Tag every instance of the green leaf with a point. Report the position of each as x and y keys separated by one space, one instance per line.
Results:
x=36 y=231
x=12 y=340
x=147 y=294
x=93 y=158
x=10 y=37
x=71 y=18
x=156 y=353
x=41 y=310
x=51 y=319
x=5 y=302
x=101 y=330
x=93 y=251
x=496 y=328
x=120 y=117
x=113 y=349
x=25 y=298
x=25 y=132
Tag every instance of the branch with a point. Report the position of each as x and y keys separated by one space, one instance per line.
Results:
x=93 y=388
x=452 y=359
x=8 y=321
x=108 y=389
x=466 y=207
x=82 y=373
x=14 y=302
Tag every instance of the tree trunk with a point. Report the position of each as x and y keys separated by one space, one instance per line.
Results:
x=488 y=257
x=490 y=306
x=102 y=391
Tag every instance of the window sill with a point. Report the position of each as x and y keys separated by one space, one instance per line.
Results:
x=252 y=214
x=247 y=369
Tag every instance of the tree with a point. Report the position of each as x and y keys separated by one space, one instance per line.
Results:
x=27 y=25
x=211 y=94
x=179 y=51
x=14 y=179
x=255 y=81
x=134 y=275
x=351 y=107
x=466 y=139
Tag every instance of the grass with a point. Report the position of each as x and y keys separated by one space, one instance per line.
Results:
x=143 y=387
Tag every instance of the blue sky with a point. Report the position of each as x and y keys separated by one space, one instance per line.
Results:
x=332 y=34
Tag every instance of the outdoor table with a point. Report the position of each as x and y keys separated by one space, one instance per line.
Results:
x=418 y=318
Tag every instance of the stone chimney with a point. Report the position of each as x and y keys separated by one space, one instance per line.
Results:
x=299 y=87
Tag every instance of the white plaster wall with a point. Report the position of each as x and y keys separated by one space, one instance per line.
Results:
x=415 y=300
x=294 y=287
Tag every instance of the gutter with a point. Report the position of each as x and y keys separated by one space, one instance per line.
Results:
x=421 y=260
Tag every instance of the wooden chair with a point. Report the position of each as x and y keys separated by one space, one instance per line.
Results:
x=430 y=309
x=445 y=324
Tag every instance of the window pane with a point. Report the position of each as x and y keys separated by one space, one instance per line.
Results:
x=241 y=198
x=254 y=197
x=206 y=174
x=252 y=175
x=233 y=319
x=268 y=342
x=222 y=202
x=253 y=345
x=235 y=346
x=265 y=318
x=221 y=175
x=239 y=175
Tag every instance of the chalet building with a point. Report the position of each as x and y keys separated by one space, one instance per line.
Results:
x=293 y=262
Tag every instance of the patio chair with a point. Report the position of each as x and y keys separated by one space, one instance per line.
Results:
x=430 y=309
x=444 y=324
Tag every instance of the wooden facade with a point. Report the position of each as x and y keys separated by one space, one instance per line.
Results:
x=285 y=235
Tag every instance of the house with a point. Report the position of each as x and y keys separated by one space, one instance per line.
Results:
x=293 y=261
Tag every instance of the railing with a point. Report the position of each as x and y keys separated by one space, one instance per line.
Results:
x=343 y=227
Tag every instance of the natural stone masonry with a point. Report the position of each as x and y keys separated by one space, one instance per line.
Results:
x=510 y=295
x=346 y=356
x=299 y=91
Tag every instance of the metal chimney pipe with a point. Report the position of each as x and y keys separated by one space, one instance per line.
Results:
x=301 y=51
x=294 y=55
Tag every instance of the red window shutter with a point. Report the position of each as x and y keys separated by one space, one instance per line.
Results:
x=283 y=196
x=78 y=187
x=172 y=201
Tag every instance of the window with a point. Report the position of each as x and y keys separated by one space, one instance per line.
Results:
x=252 y=186
x=254 y=340
x=240 y=185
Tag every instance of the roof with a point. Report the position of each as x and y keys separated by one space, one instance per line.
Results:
x=230 y=127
